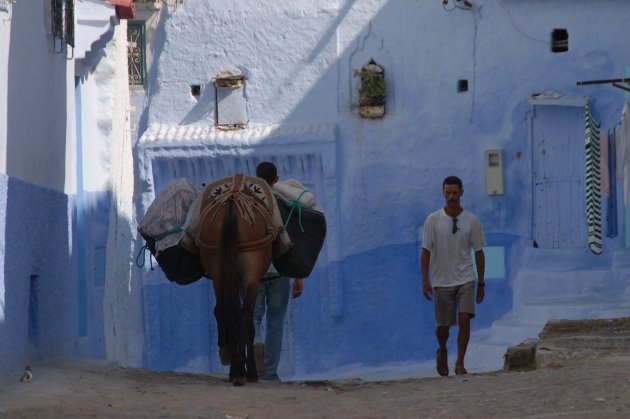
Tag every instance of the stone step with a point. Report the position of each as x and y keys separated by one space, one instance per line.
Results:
x=575 y=284
x=532 y=284
x=528 y=322
x=585 y=307
x=571 y=339
x=560 y=259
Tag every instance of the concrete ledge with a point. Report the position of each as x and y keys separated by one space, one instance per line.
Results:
x=563 y=340
x=521 y=357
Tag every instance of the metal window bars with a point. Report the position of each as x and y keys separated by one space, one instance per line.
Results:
x=135 y=53
x=6 y=9
x=62 y=25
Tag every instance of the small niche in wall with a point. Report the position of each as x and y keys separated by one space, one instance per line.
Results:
x=195 y=90
x=372 y=90
x=462 y=85
x=559 y=40
x=231 y=108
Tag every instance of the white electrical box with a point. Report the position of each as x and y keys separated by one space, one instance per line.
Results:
x=494 y=172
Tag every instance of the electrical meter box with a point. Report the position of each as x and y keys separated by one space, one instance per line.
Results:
x=494 y=172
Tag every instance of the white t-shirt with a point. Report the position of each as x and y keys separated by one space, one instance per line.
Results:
x=451 y=261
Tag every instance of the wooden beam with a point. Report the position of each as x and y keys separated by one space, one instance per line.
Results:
x=608 y=81
x=627 y=89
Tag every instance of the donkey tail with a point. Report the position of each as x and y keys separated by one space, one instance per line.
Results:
x=231 y=289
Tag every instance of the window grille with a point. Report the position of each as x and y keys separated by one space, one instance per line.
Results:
x=57 y=19
x=136 y=53
x=69 y=24
x=62 y=25
x=4 y=7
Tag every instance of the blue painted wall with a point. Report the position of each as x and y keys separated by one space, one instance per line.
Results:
x=377 y=179
x=387 y=172
x=40 y=297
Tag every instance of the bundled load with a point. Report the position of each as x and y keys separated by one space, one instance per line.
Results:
x=163 y=227
x=171 y=226
x=252 y=186
x=305 y=223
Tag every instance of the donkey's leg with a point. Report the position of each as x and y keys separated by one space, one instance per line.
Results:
x=238 y=373
x=224 y=353
x=248 y=326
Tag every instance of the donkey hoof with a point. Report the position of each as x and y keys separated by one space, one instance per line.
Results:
x=239 y=381
x=224 y=356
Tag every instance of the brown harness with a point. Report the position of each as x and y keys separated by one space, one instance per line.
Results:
x=246 y=205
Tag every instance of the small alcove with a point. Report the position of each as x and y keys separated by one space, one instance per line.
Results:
x=559 y=40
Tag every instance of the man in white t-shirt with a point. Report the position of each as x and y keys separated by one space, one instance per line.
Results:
x=449 y=236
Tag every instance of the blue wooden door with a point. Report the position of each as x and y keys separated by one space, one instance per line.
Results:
x=179 y=325
x=559 y=215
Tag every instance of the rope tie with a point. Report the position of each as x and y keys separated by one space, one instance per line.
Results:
x=243 y=202
x=295 y=203
x=246 y=206
x=152 y=241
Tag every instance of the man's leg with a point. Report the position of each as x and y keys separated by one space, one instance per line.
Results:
x=466 y=309
x=277 y=301
x=463 y=336
x=444 y=298
x=259 y=312
x=441 y=332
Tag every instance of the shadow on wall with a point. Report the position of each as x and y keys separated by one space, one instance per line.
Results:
x=39 y=280
x=36 y=128
x=92 y=234
x=384 y=311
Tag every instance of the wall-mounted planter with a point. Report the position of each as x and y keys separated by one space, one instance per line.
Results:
x=372 y=90
x=372 y=107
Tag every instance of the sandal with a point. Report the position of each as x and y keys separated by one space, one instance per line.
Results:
x=441 y=364
x=460 y=371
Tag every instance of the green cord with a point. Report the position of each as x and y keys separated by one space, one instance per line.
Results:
x=295 y=203
x=142 y=252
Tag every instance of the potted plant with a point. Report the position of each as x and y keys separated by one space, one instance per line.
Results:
x=372 y=90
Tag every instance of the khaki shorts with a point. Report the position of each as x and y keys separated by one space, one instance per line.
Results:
x=452 y=300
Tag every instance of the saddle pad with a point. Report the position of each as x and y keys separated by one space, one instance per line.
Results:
x=256 y=187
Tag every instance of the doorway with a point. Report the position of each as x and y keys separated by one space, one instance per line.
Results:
x=558 y=176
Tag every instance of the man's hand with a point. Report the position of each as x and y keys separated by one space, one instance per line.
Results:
x=425 y=260
x=297 y=288
x=481 y=292
x=427 y=291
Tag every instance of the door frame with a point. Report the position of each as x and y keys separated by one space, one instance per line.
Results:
x=546 y=100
